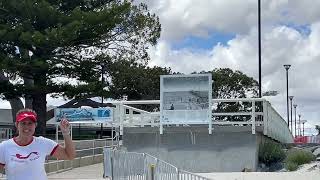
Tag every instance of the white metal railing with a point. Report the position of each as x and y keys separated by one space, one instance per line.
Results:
x=275 y=126
x=260 y=111
x=5 y=133
x=120 y=165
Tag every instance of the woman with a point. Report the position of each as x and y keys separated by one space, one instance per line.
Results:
x=23 y=157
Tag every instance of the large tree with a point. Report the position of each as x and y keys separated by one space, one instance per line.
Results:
x=233 y=84
x=137 y=81
x=229 y=84
x=42 y=41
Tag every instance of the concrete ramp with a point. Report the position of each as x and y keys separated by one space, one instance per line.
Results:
x=228 y=149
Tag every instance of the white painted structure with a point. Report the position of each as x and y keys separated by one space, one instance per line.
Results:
x=274 y=126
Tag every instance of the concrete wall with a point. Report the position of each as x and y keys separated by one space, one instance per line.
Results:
x=228 y=149
x=57 y=166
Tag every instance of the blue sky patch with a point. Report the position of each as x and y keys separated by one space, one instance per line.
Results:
x=302 y=29
x=203 y=43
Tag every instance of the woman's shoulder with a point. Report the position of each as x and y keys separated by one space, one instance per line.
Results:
x=7 y=142
x=42 y=139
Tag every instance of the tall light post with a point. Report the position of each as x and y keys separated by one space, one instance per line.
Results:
x=287 y=67
x=303 y=121
x=291 y=98
x=295 y=120
x=299 y=125
x=259 y=44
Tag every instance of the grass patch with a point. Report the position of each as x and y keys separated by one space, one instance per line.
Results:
x=297 y=157
x=270 y=152
x=291 y=166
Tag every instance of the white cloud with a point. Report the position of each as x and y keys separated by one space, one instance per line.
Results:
x=303 y=12
x=180 y=18
x=281 y=45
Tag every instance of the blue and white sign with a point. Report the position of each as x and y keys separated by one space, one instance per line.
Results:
x=84 y=114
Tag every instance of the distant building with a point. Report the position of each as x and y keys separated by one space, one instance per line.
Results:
x=6 y=118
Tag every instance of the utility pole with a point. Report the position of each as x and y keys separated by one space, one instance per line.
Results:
x=295 y=120
x=287 y=67
x=291 y=98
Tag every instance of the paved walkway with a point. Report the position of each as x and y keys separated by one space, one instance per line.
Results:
x=96 y=172
x=88 y=172
x=263 y=176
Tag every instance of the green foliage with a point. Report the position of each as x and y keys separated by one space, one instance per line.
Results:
x=233 y=84
x=270 y=152
x=58 y=33
x=291 y=166
x=135 y=80
x=298 y=157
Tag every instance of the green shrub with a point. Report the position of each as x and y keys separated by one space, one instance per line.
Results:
x=291 y=166
x=298 y=157
x=270 y=152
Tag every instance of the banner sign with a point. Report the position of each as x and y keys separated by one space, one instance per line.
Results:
x=84 y=114
x=185 y=99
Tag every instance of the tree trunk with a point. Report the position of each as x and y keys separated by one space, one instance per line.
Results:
x=16 y=105
x=39 y=105
x=39 y=102
x=28 y=82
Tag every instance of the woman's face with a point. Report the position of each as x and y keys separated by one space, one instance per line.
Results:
x=26 y=127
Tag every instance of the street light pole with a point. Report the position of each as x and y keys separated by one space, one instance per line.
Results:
x=295 y=120
x=299 y=124
x=287 y=67
x=259 y=44
x=291 y=98
x=303 y=121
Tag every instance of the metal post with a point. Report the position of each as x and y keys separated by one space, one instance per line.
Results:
x=122 y=116
x=112 y=131
x=295 y=120
x=178 y=173
x=299 y=125
x=71 y=134
x=93 y=148
x=259 y=44
x=287 y=66
x=265 y=117
x=291 y=98
x=303 y=121
x=57 y=133
x=152 y=172
x=253 y=117
x=303 y=128
x=101 y=130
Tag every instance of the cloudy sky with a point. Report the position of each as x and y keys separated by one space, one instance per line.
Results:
x=206 y=34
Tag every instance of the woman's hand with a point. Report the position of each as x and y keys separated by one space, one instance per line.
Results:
x=64 y=126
